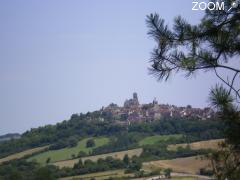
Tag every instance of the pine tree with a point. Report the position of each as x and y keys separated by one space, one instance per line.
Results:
x=212 y=45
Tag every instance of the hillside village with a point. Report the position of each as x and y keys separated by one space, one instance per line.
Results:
x=133 y=111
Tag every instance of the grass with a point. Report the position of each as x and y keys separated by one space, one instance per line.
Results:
x=210 y=144
x=190 y=165
x=23 y=154
x=99 y=175
x=117 y=155
x=66 y=153
x=158 y=139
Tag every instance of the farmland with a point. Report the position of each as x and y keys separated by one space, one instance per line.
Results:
x=23 y=154
x=117 y=155
x=189 y=165
x=210 y=144
x=67 y=153
x=158 y=139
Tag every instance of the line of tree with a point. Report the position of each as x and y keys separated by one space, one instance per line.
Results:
x=23 y=170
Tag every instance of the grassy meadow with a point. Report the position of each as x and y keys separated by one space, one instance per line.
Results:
x=158 y=139
x=23 y=154
x=66 y=153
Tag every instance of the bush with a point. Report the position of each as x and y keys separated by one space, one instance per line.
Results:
x=206 y=172
x=167 y=172
x=48 y=160
x=90 y=143
x=82 y=154
x=72 y=141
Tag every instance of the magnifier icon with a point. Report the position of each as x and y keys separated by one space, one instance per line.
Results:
x=234 y=4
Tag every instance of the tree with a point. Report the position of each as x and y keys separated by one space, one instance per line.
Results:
x=167 y=172
x=73 y=156
x=212 y=45
x=135 y=164
x=45 y=173
x=126 y=159
x=90 y=143
x=73 y=141
x=15 y=174
x=48 y=160
x=78 y=165
x=82 y=154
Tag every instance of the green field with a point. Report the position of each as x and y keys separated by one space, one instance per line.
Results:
x=158 y=139
x=23 y=154
x=66 y=153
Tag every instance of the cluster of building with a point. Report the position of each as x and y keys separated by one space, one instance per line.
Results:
x=133 y=111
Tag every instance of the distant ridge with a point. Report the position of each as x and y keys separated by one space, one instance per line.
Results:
x=9 y=136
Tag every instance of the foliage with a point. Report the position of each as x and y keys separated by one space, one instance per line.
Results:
x=226 y=161
x=167 y=172
x=135 y=164
x=48 y=160
x=121 y=142
x=109 y=163
x=22 y=170
x=123 y=137
x=90 y=143
x=82 y=154
x=189 y=48
x=126 y=159
x=73 y=141
x=160 y=151
x=205 y=172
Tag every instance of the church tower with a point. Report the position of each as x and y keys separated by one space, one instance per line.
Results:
x=135 y=98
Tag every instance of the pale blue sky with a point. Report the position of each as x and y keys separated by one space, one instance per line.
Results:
x=61 y=57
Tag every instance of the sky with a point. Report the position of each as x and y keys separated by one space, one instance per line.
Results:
x=62 y=57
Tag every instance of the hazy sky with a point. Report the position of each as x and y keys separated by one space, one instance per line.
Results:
x=61 y=57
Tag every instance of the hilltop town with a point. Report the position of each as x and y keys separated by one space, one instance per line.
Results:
x=133 y=111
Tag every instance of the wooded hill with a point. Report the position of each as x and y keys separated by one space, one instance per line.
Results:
x=69 y=132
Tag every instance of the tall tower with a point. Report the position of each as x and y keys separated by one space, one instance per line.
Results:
x=135 y=99
x=155 y=101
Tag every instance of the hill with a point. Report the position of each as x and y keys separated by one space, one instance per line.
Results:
x=9 y=136
x=148 y=140
x=93 y=163
x=88 y=125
